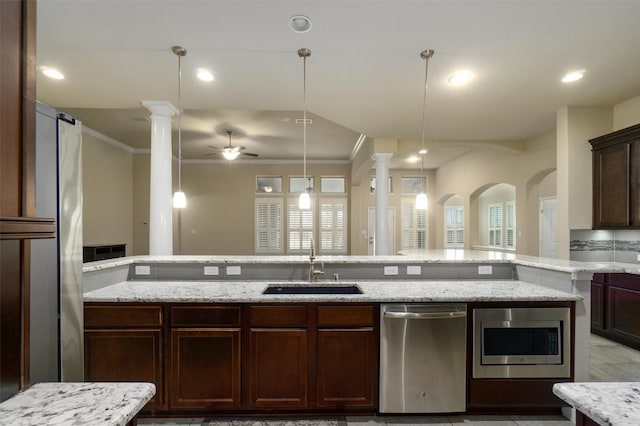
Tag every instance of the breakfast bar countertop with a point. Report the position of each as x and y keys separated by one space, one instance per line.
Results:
x=373 y=291
x=607 y=403
x=108 y=404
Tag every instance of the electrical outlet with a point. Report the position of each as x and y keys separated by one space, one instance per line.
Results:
x=211 y=270
x=234 y=270
x=414 y=270
x=391 y=270
x=485 y=269
x=143 y=270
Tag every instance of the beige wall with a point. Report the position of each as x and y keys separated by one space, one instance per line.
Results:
x=107 y=179
x=626 y=114
x=471 y=174
x=219 y=218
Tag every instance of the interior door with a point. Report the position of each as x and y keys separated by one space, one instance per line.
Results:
x=371 y=230
x=548 y=220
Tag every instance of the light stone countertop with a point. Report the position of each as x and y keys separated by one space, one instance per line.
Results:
x=373 y=291
x=608 y=404
x=85 y=404
x=414 y=257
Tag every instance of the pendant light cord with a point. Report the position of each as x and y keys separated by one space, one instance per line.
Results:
x=179 y=122
x=304 y=54
x=179 y=51
x=425 y=54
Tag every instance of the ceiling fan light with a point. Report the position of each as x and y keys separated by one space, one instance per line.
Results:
x=421 y=201
x=179 y=200
x=304 y=203
x=229 y=154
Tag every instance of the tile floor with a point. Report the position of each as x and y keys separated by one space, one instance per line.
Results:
x=609 y=362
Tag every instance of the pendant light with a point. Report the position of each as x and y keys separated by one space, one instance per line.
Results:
x=304 y=203
x=179 y=198
x=421 y=198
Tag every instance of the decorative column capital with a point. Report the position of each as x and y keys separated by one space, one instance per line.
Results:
x=162 y=108
x=382 y=157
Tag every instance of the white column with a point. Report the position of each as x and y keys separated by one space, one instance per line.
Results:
x=382 y=203
x=160 y=207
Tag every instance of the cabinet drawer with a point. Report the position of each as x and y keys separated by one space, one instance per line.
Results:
x=628 y=281
x=120 y=316
x=205 y=316
x=341 y=315
x=278 y=316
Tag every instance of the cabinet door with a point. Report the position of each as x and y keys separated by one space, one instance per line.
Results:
x=622 y=319
x=346 y=367
x=125 y=356
x=278 y=368
x=611 y=175
x=597 y=306
x=205 y=368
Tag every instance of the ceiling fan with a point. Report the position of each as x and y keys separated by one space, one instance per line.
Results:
x=230 y=152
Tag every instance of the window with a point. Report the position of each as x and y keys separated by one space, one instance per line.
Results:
x=495 y=225
x=414 y=225
x=268 y=225
x=300 y=227
x=269 y=185
x=333 y=226
x=510 y=224
x=454 y=226
x=412 y=185
x=299 y=184
x=335 y=185
x=372 y=185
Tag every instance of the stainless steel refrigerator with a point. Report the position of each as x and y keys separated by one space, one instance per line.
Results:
x=56 y=308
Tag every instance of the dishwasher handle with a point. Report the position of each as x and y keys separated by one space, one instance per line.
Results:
x=425 y=315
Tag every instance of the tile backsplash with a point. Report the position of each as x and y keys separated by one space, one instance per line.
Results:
x=605 y=245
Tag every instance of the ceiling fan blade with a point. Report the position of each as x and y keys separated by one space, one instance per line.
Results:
x=250 y=154
x=214 y=147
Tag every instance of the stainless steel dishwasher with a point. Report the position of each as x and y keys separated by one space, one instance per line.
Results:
x=423 y=358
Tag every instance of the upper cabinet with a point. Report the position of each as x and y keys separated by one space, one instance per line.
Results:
x=616 y=175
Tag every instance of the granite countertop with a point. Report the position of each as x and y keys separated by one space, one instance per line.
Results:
x=373 y=291
x=420 y=257
x=76 y=404
x=614 y=404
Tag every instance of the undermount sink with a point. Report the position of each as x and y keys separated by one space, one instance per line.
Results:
x=312 y=289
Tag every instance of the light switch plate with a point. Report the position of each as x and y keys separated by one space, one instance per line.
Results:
x=391 y=270
x=143 y=270
x=414 y=270
x=234 y=270
x=211 y=270
x=485 y=269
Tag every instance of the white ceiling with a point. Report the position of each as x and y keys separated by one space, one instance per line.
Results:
x=365 y=74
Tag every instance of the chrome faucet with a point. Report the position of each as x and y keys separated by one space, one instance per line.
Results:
x=313 y=272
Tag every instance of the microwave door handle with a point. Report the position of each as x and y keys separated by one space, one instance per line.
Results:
x=425 y=315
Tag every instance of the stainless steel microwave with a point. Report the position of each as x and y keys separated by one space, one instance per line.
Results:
x=522 y=342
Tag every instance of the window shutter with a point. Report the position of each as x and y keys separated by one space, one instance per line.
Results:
x=268 y=225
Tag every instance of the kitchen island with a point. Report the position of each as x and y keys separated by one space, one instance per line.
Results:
x=605 y=404
x=177 y=308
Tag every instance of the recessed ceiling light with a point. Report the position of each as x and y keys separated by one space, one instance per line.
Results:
x=300 y=23
x=53 y=73
x=460 y=78
x=423 y=151
x=204 y=75
x=413 y=159
x=573 y=76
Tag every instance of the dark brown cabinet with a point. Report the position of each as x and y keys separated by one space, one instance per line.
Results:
x=205 y=357
x=124 y=343
x=347 y=356
x=615 y=301
x=616 y=174
x=277 y=358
